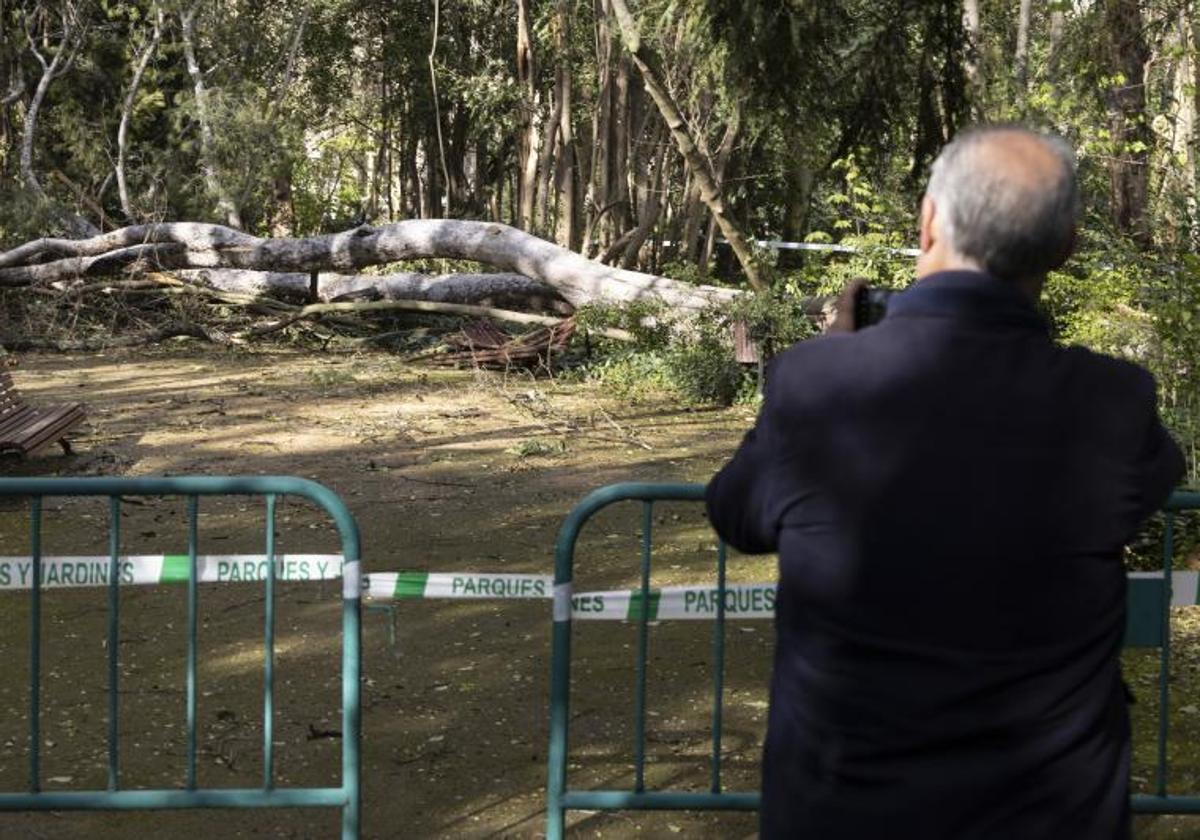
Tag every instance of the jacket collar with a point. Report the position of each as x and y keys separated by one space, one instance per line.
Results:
x=967 y=295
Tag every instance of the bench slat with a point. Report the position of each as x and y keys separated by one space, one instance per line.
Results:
x=26 y=429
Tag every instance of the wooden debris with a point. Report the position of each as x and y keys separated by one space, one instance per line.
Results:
x=483 y=344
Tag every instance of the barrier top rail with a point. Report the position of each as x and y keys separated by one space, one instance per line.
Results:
x=347 y=797
x=1149 y=626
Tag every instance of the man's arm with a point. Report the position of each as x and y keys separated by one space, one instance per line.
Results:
x=737 y=499
x=1160 y=463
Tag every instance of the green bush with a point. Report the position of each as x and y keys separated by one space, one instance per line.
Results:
x=701 y=367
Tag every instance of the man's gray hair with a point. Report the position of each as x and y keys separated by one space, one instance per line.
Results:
x=1012 y=228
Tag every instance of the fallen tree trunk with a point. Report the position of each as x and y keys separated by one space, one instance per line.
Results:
x=507 y=291
x=315 y=309
x=192 y=245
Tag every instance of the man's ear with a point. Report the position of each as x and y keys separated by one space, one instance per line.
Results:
x=926 y=237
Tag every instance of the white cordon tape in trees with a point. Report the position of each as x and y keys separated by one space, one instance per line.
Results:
x=133 y=569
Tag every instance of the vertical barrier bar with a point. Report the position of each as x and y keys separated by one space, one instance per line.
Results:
x=192 y=632
x=1164 y=668
x=718 y=669
x=35 y=648
x=114 y=625
x=351 y=675
x=269 y=654
x=639 y=697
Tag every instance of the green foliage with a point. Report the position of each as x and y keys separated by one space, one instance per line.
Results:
x=537 y=447
x=700 y=365
x=630 y=374
x=692 y=358
x=647 y=321
x=776 y=318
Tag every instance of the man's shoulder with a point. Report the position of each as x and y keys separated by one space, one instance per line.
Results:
x=1119 y=376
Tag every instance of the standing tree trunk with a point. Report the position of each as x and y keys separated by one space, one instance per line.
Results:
x=282 y=214
x=527 y=140
x=1183 y=211
x=724 y=153
x=596 y=200
x=1021 y=57
x=974 y=47
x=546 y=160
x=710 y=192
x=566 y=233
x=620 y=193
x=143 y=60
x=1129 y=169
x=650 y=204
x=64 y=56
x=225 y=204
x=447 y=185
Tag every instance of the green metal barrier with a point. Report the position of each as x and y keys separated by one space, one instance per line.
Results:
x=347 y=797
x=1148 y=625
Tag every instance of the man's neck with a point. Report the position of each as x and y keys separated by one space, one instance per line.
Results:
x=933 y=263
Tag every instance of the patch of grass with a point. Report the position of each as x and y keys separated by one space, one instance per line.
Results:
x=535 y=447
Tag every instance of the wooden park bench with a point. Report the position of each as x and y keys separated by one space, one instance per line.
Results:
x=24 y=429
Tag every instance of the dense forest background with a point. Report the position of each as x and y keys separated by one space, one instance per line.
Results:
x=642 y=134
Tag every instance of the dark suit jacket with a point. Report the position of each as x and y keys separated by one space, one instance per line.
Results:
x=949 y=493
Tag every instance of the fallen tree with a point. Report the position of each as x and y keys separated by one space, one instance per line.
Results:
x=499 y=290
x=192 y=245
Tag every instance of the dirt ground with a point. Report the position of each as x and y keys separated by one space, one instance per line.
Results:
x=444 y=471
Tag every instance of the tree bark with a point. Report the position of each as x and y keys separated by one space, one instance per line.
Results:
x=596 y=200
x=724 y=153
x=527 y=140
x=143 y=60
x=64 y=56
x=710 y=193
x=510 y=291
x=650 y=202
x=545 y=160
x=437 y=111
x=212 y=181
x=194 y=245
x=974 y=47
x=1129 y=169
x=566 y=233
x=1021 y=56
x=1182 y=159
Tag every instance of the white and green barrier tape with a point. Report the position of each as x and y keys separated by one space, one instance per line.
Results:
x=755 y=600
x=133 y=569
x=389 y=586
x=742 y=600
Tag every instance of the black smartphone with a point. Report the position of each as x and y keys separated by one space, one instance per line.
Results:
x=870 y=305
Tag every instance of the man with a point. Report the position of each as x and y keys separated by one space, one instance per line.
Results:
x=949 y=493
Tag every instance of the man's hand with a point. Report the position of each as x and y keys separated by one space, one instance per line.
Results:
x=844 y=308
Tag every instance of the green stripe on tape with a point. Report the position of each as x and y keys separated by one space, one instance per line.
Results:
x=635 y=605
x=175 y=568
x=410 y=585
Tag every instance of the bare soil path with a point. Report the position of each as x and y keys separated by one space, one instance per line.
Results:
x=444 y=471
